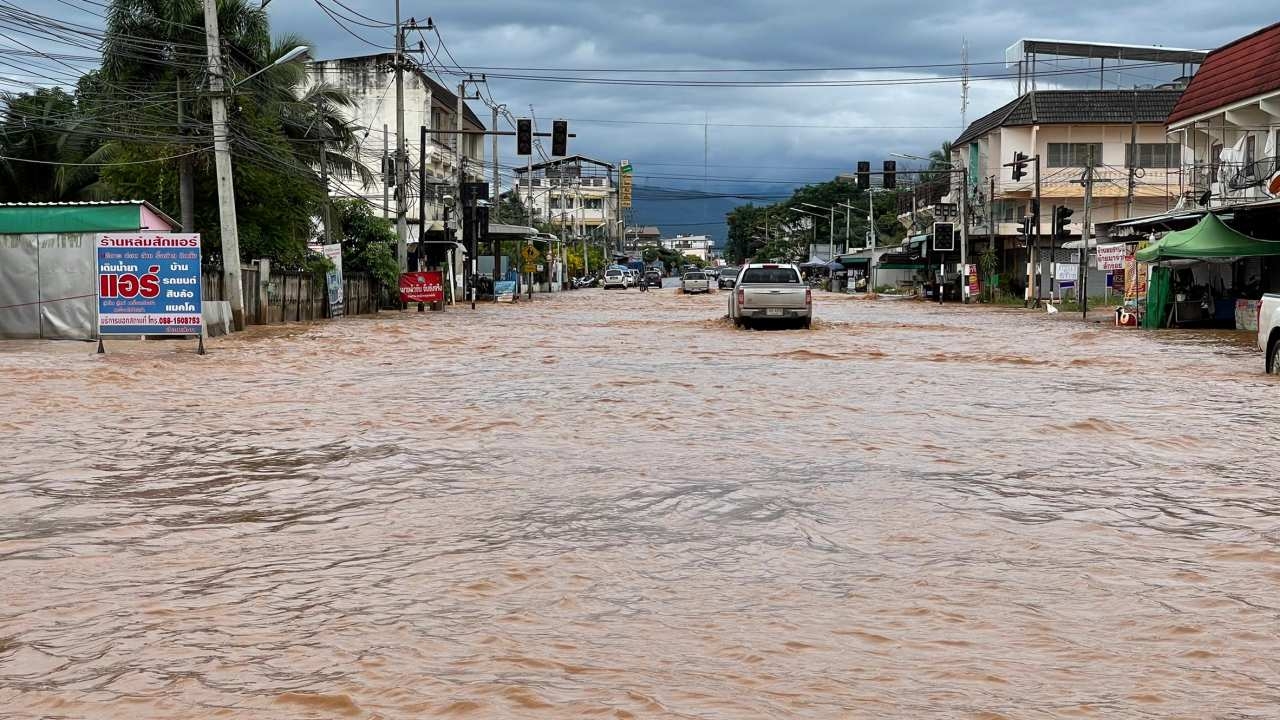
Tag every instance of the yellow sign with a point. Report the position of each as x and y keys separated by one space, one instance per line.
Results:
x=624 y=191
x=530 y=256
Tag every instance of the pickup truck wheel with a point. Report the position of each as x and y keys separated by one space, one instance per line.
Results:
x=807 y=323
x=1273 y=357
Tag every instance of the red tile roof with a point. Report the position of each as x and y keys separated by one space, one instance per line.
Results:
x=1237 y=71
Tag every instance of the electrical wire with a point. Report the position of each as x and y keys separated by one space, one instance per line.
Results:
x=109 y=164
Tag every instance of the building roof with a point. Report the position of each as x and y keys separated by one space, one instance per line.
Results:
x=569 y=159
x=439 y=93
x=1236 y=71
x=644 y=230
x=1076 y=107
x=1102 y=51
x=68 y=217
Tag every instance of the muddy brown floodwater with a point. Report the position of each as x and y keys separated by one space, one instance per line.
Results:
x=615 y=505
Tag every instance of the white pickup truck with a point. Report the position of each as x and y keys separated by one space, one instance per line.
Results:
x=1269 y=331
x=770 y=291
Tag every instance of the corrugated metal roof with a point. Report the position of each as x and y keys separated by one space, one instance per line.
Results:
x=1076 y=107
x=1236 y=71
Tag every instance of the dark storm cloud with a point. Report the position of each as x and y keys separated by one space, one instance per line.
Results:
x=679 y=34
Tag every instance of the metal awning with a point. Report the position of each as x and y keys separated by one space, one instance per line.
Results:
x=516 y=230
x=1102 y=51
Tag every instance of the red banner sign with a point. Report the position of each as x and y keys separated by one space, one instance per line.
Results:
x=425 y=286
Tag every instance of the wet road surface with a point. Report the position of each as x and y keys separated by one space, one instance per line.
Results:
x=615 y=505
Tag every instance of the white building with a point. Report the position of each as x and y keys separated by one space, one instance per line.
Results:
x=1227 y=124
x=575 y=193
x=370 y=79
x=699 y=246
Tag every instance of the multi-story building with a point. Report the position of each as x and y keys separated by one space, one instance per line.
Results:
x=699 y=246
x=370 y=80
x=638 y=237
x=1227 y=124
x=576 y=194
x=1136 y=169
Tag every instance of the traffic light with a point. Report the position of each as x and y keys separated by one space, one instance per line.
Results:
x=890 y=174
x=1061 y=219
x=560 y=138
x=1019 y=166
x=864 y=174
x=1024 y=227
x=944 y=237
x=524 y=136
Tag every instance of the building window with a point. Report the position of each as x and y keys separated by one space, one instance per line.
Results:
x=1074 y=154
x=593 y=203
x=556 y=205
x=1152 y=155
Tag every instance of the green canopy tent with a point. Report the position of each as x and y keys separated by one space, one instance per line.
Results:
x=1208 y=240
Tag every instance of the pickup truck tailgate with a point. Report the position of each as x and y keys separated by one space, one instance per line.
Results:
x=773 y=296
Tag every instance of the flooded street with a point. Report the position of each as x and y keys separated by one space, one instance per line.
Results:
x=615 y=505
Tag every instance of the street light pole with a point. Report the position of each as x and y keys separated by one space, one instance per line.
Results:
x=230 y=231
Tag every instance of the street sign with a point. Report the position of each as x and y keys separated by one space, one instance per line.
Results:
x=626 y=167
x=530 y=257
x=149 y=284
x=624 y=191
x=422 y=287
x=1111 y=257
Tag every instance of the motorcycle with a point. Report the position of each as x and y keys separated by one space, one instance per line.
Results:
x=580 y=283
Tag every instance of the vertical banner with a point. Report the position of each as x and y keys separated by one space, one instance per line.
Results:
x=149 y=284
x=971 y=286
x=333 y=281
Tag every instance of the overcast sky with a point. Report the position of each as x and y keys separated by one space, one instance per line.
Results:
x=866 y=122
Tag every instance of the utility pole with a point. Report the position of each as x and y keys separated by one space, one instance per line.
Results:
x=422 y=197
x=230 y=231
x=1086 y=231
x=871 y=222
x=964 y=232
x=326 y=221
x=991 y=217
x=386 y=172
x=1133 y=155
x=402 y=219
x=186 y=174
x=1035 y=212
x=496 y=207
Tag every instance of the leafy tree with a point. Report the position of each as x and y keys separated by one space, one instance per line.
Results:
x=39 y=128
x=367 y=242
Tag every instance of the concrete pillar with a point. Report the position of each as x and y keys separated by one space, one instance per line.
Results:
x=264 y=283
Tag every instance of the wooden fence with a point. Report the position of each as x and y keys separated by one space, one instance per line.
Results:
x=295 y=296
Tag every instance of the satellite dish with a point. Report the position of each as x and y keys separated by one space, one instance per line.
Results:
x=1273 y=185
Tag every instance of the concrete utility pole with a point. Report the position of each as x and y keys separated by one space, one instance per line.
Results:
x=1086 y=231
x=230 y=230
x=402 y=219
x=964 y=233
x=325 y=220
x=871 y=221
x=460 y=178
x=495 y=208
x=386 y=171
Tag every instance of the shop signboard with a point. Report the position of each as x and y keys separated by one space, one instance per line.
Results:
x=1066 y=272
x=504 y=290
x=424 y=286
x=333 y=279
x=1111 y=257
x=971 y=280
x=149 y=284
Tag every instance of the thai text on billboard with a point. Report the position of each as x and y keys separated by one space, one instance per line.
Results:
x=149 y=284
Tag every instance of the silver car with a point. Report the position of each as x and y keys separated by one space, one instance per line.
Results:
x=695 y=282
x=771 y=292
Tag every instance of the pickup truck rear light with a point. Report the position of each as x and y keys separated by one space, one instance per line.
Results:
x=1258 y=322
x=808 y=296
x=742 y=297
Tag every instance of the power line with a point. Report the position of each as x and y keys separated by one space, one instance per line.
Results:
x=109 y=164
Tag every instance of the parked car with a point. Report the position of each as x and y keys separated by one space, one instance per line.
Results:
x=728 y=277
x=712 y=273
x=1269 y=331
x=653 y=278
x=616 y=278
x=771 y=291
x=633 y=277
x=695 y=282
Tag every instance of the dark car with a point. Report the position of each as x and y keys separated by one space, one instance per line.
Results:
x=728 y=276
x=652 y=278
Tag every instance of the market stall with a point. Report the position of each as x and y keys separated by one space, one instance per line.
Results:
x=1206 y=275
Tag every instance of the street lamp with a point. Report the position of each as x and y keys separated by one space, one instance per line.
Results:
x=290 y=56
x=815 y=225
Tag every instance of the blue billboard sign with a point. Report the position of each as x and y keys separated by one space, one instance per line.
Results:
x=149 y=284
